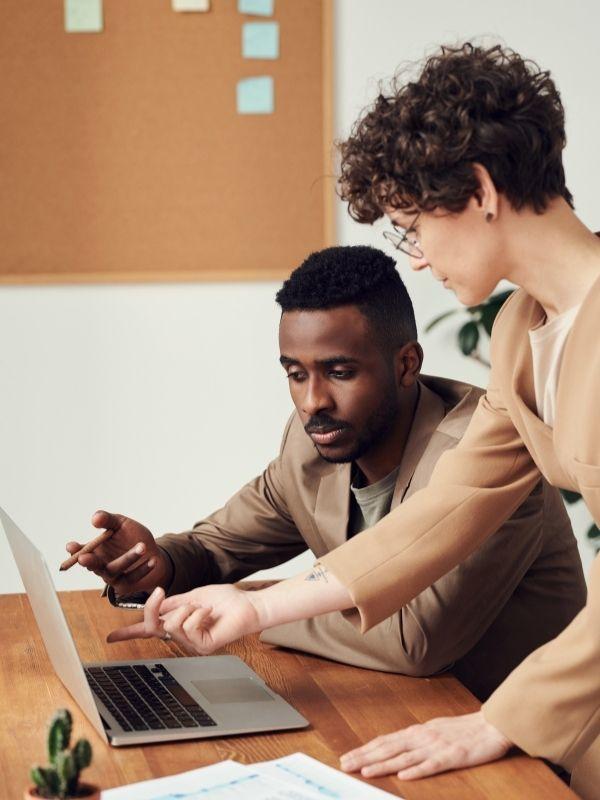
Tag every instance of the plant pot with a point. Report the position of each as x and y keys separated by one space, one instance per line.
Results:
x=93 y=793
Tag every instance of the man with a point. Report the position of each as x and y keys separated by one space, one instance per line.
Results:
x=367 y=434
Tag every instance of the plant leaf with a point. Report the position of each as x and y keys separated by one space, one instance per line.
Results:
x=570 y=497
x=593 y=532
x=468 y=338
x=439 y=318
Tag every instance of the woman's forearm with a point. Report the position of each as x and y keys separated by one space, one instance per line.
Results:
x=307 y=595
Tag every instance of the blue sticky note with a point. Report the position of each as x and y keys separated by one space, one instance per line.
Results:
x=255 y=95
x=260 y=8
x=260 y=40
x=83 y=16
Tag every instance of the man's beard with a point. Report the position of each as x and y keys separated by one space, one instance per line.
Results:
x=376 y=428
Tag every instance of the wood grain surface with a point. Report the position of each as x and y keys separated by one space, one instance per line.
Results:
x=346 y=707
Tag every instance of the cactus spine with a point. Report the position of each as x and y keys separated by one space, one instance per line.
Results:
x=61 y=779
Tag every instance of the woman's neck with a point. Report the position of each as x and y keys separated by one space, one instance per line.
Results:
x=553 y=256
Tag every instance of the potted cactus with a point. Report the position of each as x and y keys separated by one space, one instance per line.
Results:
x=60 y=780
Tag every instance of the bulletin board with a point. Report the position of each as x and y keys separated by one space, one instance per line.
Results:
x=123 y=157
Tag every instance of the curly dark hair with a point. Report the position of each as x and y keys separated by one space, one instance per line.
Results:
x=415 y=147
x=361 y=276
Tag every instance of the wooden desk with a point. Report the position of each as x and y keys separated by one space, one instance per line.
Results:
x=346 y=706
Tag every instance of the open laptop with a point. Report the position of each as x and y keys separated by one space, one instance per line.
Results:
x=137 y=702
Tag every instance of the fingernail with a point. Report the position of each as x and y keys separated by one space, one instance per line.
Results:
x=139 y=548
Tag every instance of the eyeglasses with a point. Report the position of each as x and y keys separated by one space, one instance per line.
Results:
x=405 y=240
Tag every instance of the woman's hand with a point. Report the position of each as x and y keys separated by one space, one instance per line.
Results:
x=200 y=621
x=210 y=617
x=436 y=746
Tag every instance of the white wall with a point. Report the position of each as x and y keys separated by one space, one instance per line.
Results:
x=160 y=401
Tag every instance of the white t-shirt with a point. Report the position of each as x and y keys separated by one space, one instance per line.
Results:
x=547 y=347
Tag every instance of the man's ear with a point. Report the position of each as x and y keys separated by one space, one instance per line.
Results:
x=486 y=196
x=408 y=361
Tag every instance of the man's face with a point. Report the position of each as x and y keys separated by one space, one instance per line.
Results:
x=342 y=385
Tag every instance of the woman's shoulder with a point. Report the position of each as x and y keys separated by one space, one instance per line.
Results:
x=517 y=311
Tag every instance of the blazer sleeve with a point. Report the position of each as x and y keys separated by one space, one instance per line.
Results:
x=550 y=705
x=445 y=621
x=473 y=490
x=254 y=530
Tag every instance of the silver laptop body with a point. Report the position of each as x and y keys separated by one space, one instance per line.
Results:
x=182 y=698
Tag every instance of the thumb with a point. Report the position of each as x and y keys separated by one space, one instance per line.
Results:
x=176 y=600
x=104 y=519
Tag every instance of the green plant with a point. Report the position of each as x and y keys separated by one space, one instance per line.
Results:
x=61 y=779
x=480 y=321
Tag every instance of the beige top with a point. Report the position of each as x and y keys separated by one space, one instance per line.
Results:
x=547 y=347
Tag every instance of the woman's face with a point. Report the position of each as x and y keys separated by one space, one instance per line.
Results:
x=462 y=250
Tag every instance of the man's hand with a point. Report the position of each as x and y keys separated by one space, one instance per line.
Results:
x=130 y=561
x=422 y=750
x=200 y=621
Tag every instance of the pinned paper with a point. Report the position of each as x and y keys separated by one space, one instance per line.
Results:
x=260 y=8
x=260 y=40
x=83 y=16
x=190 y=5
x=255 y=95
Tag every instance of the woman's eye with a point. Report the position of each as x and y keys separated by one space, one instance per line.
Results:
x=295 y=376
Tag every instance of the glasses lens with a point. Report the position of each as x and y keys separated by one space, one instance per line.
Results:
x=394 y=238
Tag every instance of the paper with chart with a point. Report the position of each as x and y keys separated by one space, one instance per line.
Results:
x=308 y=774
x=295 y=777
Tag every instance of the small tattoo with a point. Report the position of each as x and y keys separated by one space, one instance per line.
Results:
x=318 y=574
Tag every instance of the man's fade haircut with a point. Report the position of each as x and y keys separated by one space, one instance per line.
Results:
x=361 y=276
x=415 y=147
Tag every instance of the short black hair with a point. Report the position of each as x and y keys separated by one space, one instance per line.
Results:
x=361 y=276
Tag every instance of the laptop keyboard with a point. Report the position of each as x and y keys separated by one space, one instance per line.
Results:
x=142 y=698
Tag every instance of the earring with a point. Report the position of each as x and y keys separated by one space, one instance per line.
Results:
x=489 y=216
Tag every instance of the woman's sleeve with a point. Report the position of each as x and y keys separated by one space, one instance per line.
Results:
x=550 y=705
x=473 y=490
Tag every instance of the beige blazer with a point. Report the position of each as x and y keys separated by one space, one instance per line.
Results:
x=550 y=705
x=520 y=589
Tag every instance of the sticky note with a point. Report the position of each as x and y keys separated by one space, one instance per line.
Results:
x=261 y=8
x=255 y=95
x=83 y=16
x=260 y=40
x=190 y=5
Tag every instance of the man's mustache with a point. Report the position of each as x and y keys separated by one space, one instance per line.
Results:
x=321 y=423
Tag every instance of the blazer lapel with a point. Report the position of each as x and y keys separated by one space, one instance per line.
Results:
x=428 y=415
x=333 y=505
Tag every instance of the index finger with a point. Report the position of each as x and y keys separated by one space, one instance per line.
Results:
x=135 y=631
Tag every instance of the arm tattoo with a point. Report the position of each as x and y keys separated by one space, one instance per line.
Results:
x=318 y=573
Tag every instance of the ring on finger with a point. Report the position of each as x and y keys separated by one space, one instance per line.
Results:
x=166 y=637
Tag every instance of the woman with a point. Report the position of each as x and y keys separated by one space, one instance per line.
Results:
x=466 y=161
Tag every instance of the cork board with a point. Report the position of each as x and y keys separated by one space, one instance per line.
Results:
x=123 y=157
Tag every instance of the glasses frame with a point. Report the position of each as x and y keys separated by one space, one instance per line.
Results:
x=400 y=239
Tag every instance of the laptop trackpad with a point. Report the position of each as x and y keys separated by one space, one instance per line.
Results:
x=232 y=690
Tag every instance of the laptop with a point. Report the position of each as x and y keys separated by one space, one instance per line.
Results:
x=140 y=702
